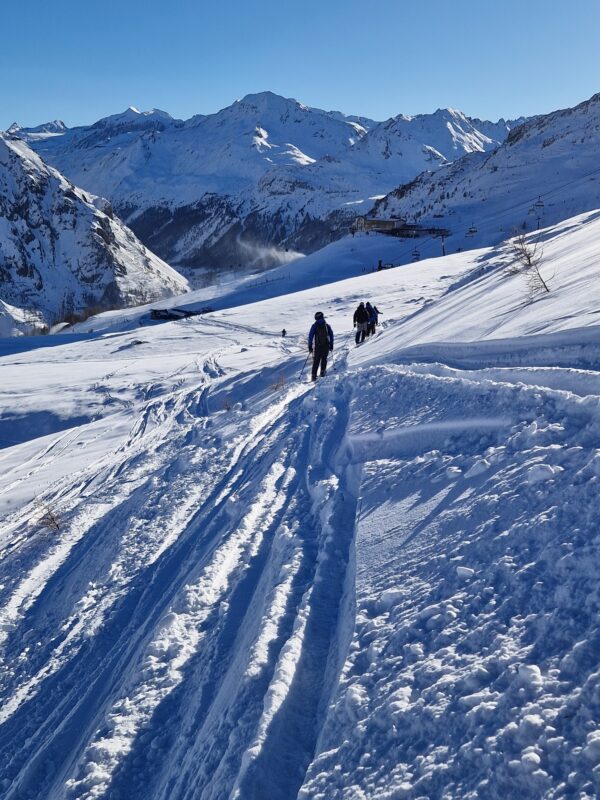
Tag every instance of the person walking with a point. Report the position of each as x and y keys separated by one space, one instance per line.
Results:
x=361 y=322
x=374 y=313
x=369 y=310
x=320 y=344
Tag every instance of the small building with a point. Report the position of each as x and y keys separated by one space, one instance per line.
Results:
x=379 y=225
x=396 y=227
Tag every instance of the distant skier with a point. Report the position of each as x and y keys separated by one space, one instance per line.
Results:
x=361 y=322
x=284 y=333
x=320 y=342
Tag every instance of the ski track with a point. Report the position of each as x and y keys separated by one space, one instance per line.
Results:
x=245 y=556
x=198 y=606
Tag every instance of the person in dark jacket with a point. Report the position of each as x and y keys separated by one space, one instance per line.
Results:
x=361 y=322
x=374 y=313
x=369 y=310
x=320 y=343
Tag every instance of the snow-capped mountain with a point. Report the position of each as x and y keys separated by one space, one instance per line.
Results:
x=56 y=126
x=63 y=251
x=265 y=171
x=546 y=171
x=427 y=140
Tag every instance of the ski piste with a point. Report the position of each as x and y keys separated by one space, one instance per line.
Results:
x=257 y=590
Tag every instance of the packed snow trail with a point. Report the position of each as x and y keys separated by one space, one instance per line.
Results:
x=191 y=603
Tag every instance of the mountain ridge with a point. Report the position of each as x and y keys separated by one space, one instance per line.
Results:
x=266 y=171
x=544 y=172
x=63 y=251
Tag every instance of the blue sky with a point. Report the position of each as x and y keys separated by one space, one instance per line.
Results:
x=82 y=60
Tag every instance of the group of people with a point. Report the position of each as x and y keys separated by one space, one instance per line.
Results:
x=320 y=336
x=366 y=318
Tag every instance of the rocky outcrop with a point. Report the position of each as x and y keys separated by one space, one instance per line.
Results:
x=63 y=251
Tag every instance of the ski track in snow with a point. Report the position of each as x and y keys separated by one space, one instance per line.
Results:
x=174 y=546
x=380 y=587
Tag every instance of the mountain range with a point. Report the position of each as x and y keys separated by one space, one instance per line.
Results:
x=266 y=174
x=259 y=181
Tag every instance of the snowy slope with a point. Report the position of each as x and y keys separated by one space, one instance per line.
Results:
x=568 y=264
x=62 y=251
x=385 y=586
x=423 y=142
x=544 y=172
x=265 y=171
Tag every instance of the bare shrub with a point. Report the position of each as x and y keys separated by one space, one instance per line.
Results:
x=47 y=517
x=527 y=257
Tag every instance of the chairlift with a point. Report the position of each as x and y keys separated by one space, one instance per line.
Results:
x=539 y=203
x=416 y=256
x=472 y=231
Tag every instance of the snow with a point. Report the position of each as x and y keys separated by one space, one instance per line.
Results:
x=292 y=174
x=382 y=586
x=544 y=172
x=63 y=252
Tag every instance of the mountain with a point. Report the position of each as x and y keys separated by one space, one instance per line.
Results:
x=63 y=251
x=546 y=171
x=427 y=140
x=54 y=127
x=264 y=175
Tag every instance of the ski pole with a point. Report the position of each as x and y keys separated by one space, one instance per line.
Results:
x=332 y=361
x=303 y=365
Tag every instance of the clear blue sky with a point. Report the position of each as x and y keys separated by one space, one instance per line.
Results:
x=79 y=60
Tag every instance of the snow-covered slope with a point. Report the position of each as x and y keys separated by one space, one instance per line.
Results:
x=415 y=144
x=264 y=172
x=545 y=171
x=62 y=251
x=219 y=582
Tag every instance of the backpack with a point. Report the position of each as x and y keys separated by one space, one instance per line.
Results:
x=321 y=337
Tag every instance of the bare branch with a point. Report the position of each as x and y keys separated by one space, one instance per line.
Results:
x=47 y=518
x=527 y=259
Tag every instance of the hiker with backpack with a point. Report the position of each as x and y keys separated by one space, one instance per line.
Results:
x=369 y=310
x=374 y=313
x=320 y=343
x=361 y=322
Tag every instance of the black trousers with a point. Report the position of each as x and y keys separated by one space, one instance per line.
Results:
x=319 y=360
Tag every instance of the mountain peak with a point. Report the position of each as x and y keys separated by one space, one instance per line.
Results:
x=55 y=126
x=270 y=101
